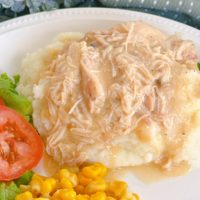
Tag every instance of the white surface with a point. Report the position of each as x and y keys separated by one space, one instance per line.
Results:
x=26 y=34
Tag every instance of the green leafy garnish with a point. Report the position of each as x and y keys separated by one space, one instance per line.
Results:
x=8 y=191
x=24 y=179
x=198 y=65
x=16 y=79
x=12 y=98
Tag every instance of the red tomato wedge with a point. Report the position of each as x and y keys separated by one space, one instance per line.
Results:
x=21 y=147
x=2 y=102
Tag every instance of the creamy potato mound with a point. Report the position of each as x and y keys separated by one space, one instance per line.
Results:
x=125 y=96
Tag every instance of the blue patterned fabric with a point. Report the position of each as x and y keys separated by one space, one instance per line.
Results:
x=185 y=11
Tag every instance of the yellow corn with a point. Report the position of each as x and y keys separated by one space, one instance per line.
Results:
x=98 y=196
x=95 y=186
x=91 y=171
x=24 y=188
x=37 y=177
x=136 y=196
x=24 y=196
x=110 y=198
x=56 y=195
x=94 y=171
x=63 y=173
x=36 y=184
x=87 y=183
x=73 y=179
x=82 y=197
x=79 y=189
x=103 y=169
x=83 y=180
x=65 y=183
x=48 y=186
x=66 y=194
x=117 y=188
x=127 y=196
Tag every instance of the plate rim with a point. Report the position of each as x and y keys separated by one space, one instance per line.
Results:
x=41 y=17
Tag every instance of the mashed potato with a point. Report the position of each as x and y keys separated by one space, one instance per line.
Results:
x=125 y=96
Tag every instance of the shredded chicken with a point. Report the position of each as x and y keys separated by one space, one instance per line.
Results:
x=107 y=84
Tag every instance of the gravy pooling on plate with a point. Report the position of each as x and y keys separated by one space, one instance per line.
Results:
x=126 y=96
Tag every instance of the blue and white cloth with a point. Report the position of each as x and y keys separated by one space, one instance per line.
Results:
x=186 y=11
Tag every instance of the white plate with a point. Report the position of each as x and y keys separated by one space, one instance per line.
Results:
x=25 y=34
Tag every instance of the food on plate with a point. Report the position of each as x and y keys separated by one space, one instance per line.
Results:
x=83 y=183
x=9 y=190
x=21 y=147
x=126 y=96
x=11 y=97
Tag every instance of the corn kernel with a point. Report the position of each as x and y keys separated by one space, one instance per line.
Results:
x=73 y=179
x=65 y=183
x=65 y=194
x=48 y=186
x=103 y=169
x=127 y=196
x=79 y=189
x=117 y=188
x=37 y=177
x=97 y=185
x=98 y=196
x=24 y=188
x=110 y=198
x=41 y=198
x=56 y=196
x=82 y=197
x=91 y=171
x=24 y=196
x=133 y=196
x=136 y=196
x=35 y=186
x=83 y=180
x=63 y=173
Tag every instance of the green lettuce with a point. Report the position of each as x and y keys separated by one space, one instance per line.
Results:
x=24 y=179
x=12 y=98
x=8 y=191
x=198 y=65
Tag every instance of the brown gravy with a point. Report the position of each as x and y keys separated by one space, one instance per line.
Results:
x=149 y=173
x=50 y=166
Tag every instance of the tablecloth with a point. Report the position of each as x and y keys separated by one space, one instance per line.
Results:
x=185 y=11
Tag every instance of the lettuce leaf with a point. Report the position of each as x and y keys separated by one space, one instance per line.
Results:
x=8 y=191
x=12 y=98
x=24 y=179
x=198 y=65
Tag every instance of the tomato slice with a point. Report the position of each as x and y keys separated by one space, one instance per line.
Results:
x=21 y=147
x=2 y=102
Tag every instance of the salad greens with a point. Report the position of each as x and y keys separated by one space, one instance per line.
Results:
x=24 y=179
x=12 y=98
x=8 y=191
x=198 y=65
x=8 y=93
